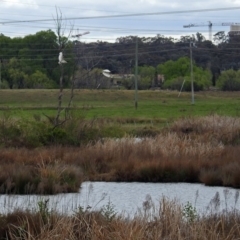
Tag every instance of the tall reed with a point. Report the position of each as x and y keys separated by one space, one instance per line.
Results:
x=166 y=221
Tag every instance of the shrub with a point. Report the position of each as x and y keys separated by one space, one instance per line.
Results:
x=108 y=211
x=177 y=84
x=9 y=133
x=111 y=132
x=55 y=135
x=229 y=80
x=145 y=132
x=189 y=213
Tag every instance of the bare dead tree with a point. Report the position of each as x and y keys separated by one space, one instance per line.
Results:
x=62 y=41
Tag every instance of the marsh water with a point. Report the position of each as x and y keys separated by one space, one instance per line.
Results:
x=128 y=198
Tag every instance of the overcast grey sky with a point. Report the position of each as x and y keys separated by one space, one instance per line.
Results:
x=167 y=22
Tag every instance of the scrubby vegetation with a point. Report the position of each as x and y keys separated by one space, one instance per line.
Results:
x=40 y=159
x=229 y=80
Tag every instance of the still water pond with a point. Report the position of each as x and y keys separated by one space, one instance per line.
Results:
x=126 y=198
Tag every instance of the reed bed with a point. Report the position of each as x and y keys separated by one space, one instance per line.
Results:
x=203 y=149
x=214 y=127
x=169 y=220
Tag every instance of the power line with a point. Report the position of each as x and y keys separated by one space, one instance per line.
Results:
x=50 y=6
x=108 y=54
x=97 y=57
x=119 y=30
x=103 y=28
x=84 y=46
x=129 y=15
x=85 y=49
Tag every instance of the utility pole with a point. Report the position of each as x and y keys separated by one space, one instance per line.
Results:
x=78 y=36
x=0 y=72
x=0 y=69
x=210 y=30
x=191 y=66
x=136 y=74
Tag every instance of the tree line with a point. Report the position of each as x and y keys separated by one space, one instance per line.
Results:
x=32 y=61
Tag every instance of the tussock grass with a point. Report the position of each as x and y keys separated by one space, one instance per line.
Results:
x=218 y=128
x=30 y=172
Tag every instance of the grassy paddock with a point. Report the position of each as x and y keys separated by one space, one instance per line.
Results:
x=165 y=105
x=169 y=220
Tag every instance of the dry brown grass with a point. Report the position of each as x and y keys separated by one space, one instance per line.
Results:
x=217 y=128
x=164 y=222
x=25 y=171
x=204 y=149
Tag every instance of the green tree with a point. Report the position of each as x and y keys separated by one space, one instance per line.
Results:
x=16 y=76
x=40 y=52
x=39 y=80
x=147 y=75
x=5 y=51
x=200 y=37
x=128 y=83
x=173 y=69
x=36 y=52
x=220 y=37
x=4 y=45
x=229 y=80
x=176 y=71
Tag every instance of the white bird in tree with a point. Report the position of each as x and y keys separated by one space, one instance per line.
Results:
x=60 y=58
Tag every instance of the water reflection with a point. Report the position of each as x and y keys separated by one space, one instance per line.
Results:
x=128 y=197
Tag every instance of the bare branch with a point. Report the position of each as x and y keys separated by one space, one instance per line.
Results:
x=62 y=41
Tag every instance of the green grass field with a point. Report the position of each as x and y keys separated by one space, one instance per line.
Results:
x=152 y=105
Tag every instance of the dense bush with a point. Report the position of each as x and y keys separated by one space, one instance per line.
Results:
x=229 y=80
x=36 y=133
x=175 y=72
